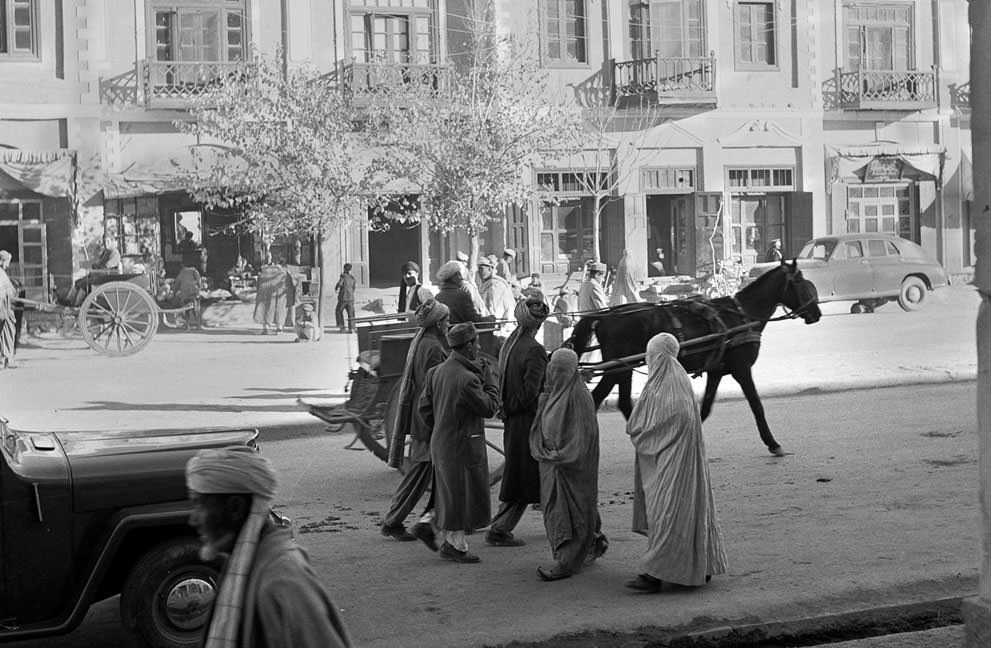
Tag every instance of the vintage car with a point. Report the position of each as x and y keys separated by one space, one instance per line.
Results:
x=869 y=268
x=85 y=516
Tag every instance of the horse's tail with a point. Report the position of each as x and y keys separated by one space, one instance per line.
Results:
x=582 y=334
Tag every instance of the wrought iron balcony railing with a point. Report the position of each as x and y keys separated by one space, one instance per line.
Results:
x=170 y=84
x=886 y=89
x=363 y=79
x=668 y=80
x=960 y=96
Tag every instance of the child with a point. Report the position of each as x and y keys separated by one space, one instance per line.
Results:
x=307 y=326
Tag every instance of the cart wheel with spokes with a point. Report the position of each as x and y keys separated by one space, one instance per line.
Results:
x=118 y=318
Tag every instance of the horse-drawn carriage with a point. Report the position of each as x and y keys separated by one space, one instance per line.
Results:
x=119 y=315
x=373 y=386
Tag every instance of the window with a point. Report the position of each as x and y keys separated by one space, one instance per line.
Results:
x=876 y=247
x=853 y=250
x=563 y=31
x=879 y=36
x=566 y=231
x=887 y=208
x=755 y=35
x=679 y=180
x=762 y=179
x=199 y=31
x=402 y=36
x=18 y=28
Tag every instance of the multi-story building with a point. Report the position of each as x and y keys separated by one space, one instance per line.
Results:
x=772 y=119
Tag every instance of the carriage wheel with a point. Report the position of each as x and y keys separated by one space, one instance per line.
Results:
x=118 y=318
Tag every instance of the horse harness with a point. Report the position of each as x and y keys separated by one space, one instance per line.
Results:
x=719 y=337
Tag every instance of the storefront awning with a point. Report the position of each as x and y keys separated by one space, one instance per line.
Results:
x=139 y=184
x=845 y=162
x=49 y=173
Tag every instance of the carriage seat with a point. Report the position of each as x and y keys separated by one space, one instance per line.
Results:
x=370 y=360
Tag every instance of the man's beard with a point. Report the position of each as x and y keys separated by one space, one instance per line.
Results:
x=410 y=281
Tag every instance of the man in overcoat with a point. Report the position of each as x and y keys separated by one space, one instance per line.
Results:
x=460 y=393
x=427 y=350
x=522 y=362
x=458 y=294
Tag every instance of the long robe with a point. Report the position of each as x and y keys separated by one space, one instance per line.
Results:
x=458 y=298
x=458 y=396
x=591 y=296
x=8 y=318
x=624 y=291
x=521 y=365
x=498 y=297
x=673 y=504
x=275 y=297
x=564 y=440
x=285 y=604
x=426 y=351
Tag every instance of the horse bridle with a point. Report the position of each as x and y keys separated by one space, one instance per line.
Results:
x=789 y=314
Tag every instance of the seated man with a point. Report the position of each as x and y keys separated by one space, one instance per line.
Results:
x=187 y=286
x=106 y=263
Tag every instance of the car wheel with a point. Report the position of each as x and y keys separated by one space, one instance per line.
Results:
x=912 y=294
x=857 y=308
x=167 y=596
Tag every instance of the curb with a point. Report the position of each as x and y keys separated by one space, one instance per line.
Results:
x=803 y=631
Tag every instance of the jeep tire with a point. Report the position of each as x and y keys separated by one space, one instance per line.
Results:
x=168 y=594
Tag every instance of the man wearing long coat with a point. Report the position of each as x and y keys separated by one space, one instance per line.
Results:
x=460 y=393
x=522 y=362
x=427 y=350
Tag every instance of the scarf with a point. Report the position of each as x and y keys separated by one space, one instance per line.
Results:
x=530 y=314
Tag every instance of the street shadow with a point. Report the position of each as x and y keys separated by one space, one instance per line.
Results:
x=308 y=394
x=117 y=406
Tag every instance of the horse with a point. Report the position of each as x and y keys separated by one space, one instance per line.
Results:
x=729 y=328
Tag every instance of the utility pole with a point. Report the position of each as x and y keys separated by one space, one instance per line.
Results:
x=977 y=610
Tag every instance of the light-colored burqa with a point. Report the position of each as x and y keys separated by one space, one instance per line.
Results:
x=564 y=440
x=624 y=291
x=672 y=503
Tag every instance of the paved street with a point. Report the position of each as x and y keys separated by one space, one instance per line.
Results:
x=876 y=505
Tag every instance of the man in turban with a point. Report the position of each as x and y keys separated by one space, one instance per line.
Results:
x=522 y=362
x=460 y=393
x=591 y=294
x=496 y=291
x=427 y=350
x=458 y=294
x=412 y=293
x=268 y=593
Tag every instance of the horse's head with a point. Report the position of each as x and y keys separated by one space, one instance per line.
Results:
x=799 y=294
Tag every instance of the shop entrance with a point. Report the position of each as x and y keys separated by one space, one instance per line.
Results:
x=670 y=219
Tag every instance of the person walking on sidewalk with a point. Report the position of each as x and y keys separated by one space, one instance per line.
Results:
x=522 y=361
x=427 y=350
x=345 y=300
x=268 y=594
x=8 y=314
x=275 y=297
x=672 y=495
x=565 y=443
x=460 y=393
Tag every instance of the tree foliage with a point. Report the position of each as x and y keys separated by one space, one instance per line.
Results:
x=280 y=147
x=469 y=134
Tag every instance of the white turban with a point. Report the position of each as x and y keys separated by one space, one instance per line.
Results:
x=224 y=471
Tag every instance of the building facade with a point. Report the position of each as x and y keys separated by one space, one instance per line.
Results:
x=764 y=119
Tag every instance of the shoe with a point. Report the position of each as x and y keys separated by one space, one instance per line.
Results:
x=552 y=574
x=504 y=540
x=425 y=533
x=399 y=533
x=645 y=583
x=448 y=552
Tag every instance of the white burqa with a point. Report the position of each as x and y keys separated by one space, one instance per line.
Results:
x=672 y=503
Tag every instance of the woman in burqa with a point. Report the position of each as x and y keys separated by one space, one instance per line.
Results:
x=564 y=440
x=672 y=496
x=624 y=291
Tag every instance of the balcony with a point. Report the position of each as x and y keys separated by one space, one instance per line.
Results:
x=886 y=90
x=171 y=84
x=960 y=96
x=361 y=80
x=683 y=80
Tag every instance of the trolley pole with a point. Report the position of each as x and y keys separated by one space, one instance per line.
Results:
x=977 y=610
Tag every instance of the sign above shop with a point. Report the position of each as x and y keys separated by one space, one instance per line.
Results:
x=883 y=169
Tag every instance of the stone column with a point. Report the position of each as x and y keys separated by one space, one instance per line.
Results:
x=977 y=610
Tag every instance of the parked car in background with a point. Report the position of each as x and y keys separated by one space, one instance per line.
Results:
x=868 y=268
x=89 y=515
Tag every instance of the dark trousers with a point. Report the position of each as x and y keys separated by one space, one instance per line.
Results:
x=415 y=483
x=506 y=519
x=339 y=313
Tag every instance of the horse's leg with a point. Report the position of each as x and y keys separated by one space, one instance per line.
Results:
x=625 y=382
x=746 y=381
x=606 y=383
x=712 y=379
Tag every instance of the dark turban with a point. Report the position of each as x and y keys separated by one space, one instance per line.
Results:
x=531 y=313
x=410 y=265
x=430 y=312
x=462 y=333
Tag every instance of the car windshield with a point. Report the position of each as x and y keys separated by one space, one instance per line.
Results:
x=817 y=250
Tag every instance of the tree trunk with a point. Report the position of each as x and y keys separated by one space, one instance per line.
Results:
x=320 y=282
x=977 y=611
x=472 y=254
x=596 y=226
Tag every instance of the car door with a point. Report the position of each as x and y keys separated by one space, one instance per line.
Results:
x=886 y=265
x=852 y=274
